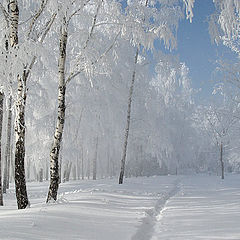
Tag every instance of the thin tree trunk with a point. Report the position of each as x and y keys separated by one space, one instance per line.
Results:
x=108 y=162
x=221 y=161
x=78 y=168
x=68 y=171
x=41 y=175
x=1 y=123
x=12 y=164
x=95 y=162
x=10 y=159
x=124 y=153
x=28 y=166
x=88 y=169
x=7 y=149
x=74 y=172
x=60 y=169
x=46 y=171
x=82 y=166
x=54 y=154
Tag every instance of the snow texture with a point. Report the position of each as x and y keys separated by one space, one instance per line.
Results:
x=170 y=207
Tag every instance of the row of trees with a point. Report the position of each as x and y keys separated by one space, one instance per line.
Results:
x=85 y=67
x=88 y=33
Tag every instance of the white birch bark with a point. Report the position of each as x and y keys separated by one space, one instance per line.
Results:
x=1 y=122
x=54 y=154
x=82 y=168
x=95 y=162
x=221 y=160
x=13 y=23
x=20 y=183
x=124 y=153
x=7 y=148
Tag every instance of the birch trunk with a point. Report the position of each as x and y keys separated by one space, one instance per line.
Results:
x=74 y=172
x=12 y=164
x=78 y=168
x=13 y=23
x=20 y=181
x=8 y=167
x=1 y=122
x=221 y=161
x=7 y=149
x=95 y=162
x=54 y=154
x=68 y=171
x=88 y=169
x=82 y=168
x=60 y=170
x=47 y=171
x=124 y=153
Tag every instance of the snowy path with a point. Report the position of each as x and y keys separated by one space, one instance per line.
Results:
x=96 y=210
x=155 y=208
x=146 y=229
x=205 y=208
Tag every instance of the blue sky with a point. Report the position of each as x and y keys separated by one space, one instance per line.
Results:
x=197 y=51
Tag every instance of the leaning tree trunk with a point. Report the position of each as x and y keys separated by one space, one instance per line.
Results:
x=221 y=161
x=54 y=154
x=124 y=153
x=1 y=122
x=7 y=149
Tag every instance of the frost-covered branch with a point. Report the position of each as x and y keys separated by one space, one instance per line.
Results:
x=189 y=4
x=36 y=16
x=77 y=10
x=224 y=24
x=47 y=29
x=5 y=13
x=93 y=25
x=73 y=75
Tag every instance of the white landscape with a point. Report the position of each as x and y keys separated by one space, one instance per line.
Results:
x=168 y=207
x=119 y=119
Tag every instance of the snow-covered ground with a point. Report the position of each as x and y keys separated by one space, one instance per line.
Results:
x=196 y=207
x=204 y=208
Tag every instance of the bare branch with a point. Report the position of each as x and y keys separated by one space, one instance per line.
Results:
x=93 y=25
x=107 y=23
x=77 y=11
x=5 y=13
x=48 y=27
x=36 y=16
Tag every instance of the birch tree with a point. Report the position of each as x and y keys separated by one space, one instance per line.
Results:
x=54 y=154
x=81 y=64
x=220 y=121
x=7 y=148
x=1 y=124
x=150 y=22
x=21 y=63
x=123 y=160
